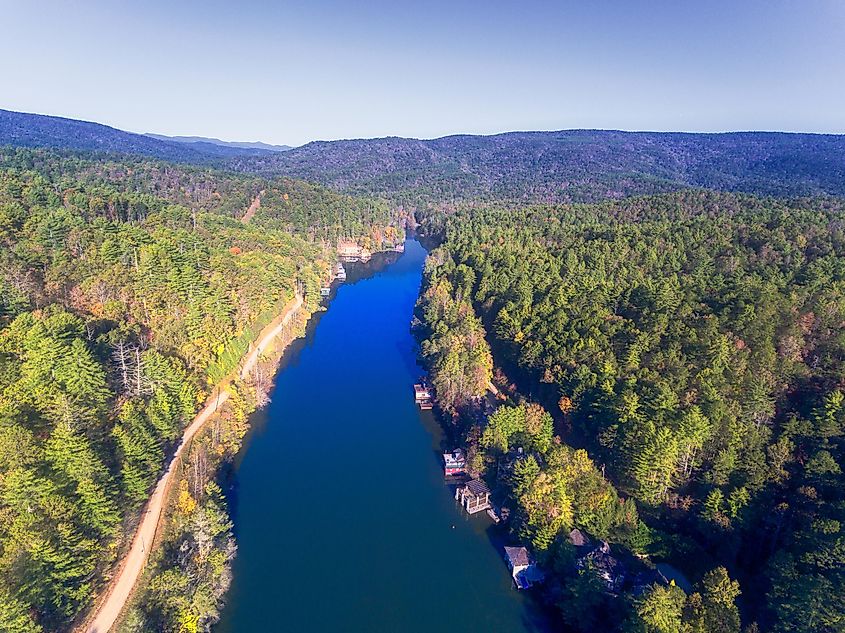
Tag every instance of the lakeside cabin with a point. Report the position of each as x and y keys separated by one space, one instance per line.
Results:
x=340 y=272
x=423 y=396
x=474 y=496
x=524 y=572
x=454 y=463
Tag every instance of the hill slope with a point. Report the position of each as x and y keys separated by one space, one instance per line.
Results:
x=20 y=129
x=569 y=165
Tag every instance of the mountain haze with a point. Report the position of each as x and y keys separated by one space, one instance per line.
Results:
x=216 y=141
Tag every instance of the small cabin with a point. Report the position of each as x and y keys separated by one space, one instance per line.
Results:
x=524 y=572
x=340 y=272
x=325 y=291
x=474 y=496
x=454 y=463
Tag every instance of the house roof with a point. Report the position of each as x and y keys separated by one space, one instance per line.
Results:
x=578 y=538
x=603 y=561
x=517 y=556
x=478 y=487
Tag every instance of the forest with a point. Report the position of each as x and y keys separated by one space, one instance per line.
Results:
x=680 y=358
x=128 y=288
x=669 y=358
x=562 y=166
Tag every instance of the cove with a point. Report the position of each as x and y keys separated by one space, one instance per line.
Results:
x=341 y=514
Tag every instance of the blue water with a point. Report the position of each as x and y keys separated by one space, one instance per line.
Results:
x=342 y=517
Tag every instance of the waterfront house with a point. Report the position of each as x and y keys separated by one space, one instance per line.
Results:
x=351 y=251
x=340 y=272
x=608 y=569
x=454 y=463
x=524 y=572
x=474 y=496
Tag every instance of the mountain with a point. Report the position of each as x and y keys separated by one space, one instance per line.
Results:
x=563 y=166
x=571 y=165
x=36 y=130
x=217 y=141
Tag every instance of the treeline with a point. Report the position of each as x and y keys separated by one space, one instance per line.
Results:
x=119 y=308
x=692 y=343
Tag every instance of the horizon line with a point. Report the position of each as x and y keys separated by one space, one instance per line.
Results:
x=434 y=138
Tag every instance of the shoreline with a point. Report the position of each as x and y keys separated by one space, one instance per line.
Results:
x=220 y=395
x=128 y=572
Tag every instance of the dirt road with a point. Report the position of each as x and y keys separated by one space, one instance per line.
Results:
x=133 y=564
x=256 y=204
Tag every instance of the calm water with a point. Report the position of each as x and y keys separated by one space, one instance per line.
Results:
x=342 y=517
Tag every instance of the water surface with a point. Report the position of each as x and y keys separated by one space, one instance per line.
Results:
x=342 y=517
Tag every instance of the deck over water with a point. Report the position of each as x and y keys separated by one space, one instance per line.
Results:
x=343 y=520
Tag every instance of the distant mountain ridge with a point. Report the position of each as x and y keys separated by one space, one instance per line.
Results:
x=21 y=129
x=216 y=141
x=568 y=165
x=517 y=167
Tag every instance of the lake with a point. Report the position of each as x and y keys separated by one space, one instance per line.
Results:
x=341 y=514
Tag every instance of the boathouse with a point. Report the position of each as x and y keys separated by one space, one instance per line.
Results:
x=524 y=572
x=422 y=395
x=474 y=496
x=454 y=463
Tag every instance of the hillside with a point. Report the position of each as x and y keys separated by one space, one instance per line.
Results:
x=20 y=129
x=690 y=345
x=128 y=288
x=573 y=165
x=564 y=166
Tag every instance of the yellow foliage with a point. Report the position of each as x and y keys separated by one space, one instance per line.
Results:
x=186 y=504
x=189 y=622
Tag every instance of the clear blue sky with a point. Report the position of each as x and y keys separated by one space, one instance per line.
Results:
x=290 y=72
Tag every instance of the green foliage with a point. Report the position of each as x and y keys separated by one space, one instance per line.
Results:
x=661 y=610
x=695 y=343
x=454 y=348
x=127 y=288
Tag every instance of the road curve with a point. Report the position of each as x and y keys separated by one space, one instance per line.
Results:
x=134 y=561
